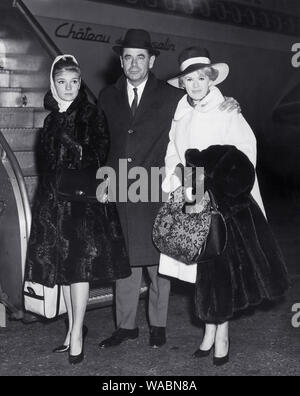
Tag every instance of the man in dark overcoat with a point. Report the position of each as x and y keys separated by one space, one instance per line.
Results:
x=139 y=109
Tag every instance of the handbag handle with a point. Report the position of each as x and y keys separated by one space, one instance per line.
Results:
x=213 y=201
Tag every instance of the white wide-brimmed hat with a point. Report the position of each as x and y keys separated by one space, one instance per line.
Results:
x=196 y=58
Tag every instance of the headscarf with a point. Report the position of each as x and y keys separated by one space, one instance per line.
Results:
x=63 y=105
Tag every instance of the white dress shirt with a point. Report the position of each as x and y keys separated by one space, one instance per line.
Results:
x=130 y=91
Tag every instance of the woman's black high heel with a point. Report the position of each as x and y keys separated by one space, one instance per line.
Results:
x=76 y=359
x=223 y=360
x=202 y=354
x=65 y=348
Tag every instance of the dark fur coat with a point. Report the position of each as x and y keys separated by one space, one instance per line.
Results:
x=73 y=242
x=252 y=267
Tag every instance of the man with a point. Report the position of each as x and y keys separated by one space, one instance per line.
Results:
x=139 y=109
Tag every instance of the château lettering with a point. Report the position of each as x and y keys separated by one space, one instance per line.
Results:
x=68 y=30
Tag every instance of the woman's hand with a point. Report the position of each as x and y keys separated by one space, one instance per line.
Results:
x=230 y=104
x=77 y=153
x=102 y=192
x=103 y=198
x=80 y=153
x=189 y=196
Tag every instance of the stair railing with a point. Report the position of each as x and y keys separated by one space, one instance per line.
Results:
x=16 y=179
x=15 y=174
x=49 y=44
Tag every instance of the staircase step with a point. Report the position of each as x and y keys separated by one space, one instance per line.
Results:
x=21 y=97
x=2 y=49
x=21 y=61
x=39 y=117
x=14 y=46
x=27 y=162
x=5 y=77
x=31 y=186
x=23 y=79
x=29 y=80
x=10 y=98
x=21 y=139
x=25 y=117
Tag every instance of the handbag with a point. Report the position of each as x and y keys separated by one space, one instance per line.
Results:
x=190 y=237
x=178 y=234
x=217 y=238
x=44 y=301
x=78 y=185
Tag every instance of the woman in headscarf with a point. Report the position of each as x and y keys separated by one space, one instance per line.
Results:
x=72 y=242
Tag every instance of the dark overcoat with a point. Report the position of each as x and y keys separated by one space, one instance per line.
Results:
x=73 y=242
x=142 y=140
x=252 y=268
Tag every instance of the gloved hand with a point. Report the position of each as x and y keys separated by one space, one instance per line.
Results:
x=192 y=181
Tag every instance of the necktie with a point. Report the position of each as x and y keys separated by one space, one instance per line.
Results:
x=134 y=104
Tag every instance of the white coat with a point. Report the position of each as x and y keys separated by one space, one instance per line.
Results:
x=199 y=128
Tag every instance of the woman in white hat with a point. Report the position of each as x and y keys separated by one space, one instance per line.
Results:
x=198 y=121
x=222 y=288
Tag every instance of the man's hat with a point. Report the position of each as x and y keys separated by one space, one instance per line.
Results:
x=136 y=38
x=196 y=58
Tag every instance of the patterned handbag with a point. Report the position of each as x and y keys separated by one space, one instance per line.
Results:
x=182 y=235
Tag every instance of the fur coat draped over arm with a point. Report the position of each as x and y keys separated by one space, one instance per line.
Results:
x=252 y=267
x=228 y=173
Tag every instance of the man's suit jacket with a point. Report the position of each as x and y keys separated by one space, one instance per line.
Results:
x=142 y=140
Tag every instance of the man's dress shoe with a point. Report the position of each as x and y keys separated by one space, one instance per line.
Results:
x=119 y=336
x=157 y=336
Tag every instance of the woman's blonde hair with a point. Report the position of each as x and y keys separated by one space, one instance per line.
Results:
x=209 y=71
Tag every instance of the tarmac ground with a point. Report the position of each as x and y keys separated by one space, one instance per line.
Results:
x=264 y=341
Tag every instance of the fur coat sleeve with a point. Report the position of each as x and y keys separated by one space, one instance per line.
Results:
x=228 y=173
x=226 y=169
x=76 y=138
x=96 y=143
